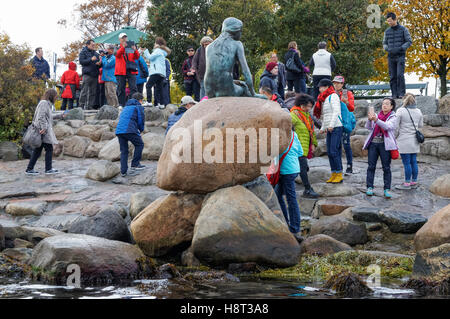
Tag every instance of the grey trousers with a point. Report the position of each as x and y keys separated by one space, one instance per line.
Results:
x=111 y=94
x=88 y=92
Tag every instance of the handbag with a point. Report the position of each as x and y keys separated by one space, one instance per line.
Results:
x=273 y=174
x=395 y=154
x=291 y=66
x=32 y=137
x=419 y=136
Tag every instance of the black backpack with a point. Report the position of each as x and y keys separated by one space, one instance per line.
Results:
x=144 y=72
x=131 y=65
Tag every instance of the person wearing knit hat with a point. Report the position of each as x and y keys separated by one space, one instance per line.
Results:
x=270 y=77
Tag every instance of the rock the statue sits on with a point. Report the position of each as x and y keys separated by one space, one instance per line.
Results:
x=221 y=57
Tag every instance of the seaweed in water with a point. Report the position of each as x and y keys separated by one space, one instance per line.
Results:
x=428 y=287
x=348 y=285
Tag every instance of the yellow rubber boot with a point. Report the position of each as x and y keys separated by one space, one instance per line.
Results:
x=333 y=176
x=338 y=179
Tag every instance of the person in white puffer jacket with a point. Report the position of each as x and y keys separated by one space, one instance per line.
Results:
x=324 y=64
x=331 y=110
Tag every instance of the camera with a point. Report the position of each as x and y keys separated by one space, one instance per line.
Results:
x=129 y=48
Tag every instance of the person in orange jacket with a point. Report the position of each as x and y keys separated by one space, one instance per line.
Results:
x=71 y=82
x=126 y=68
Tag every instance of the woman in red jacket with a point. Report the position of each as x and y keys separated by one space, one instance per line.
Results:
x=71 y=82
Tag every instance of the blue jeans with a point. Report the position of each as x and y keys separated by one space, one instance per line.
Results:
x=378 y=150
x=347 y=148
x=286 y=186
x=121 y=87
x=136 y=140
x=411 y=167
x=334 y=149
x=299 y=85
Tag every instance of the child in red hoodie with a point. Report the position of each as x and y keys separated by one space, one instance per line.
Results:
x=71 y=82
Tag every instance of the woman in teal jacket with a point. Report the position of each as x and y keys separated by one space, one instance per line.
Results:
x=290 y=168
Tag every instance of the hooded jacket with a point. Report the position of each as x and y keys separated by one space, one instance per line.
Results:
x=89 y=67
x=174 y=118
x=121 y=64
x=41 y=67
x=132 y=119
x=109 y=68
x=269 y=80
x=157 y=60
x=71 y=76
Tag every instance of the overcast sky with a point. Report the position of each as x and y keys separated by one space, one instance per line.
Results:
x=36 y=23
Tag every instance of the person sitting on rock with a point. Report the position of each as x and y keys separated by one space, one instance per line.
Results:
x=267 y=92
x=221 y=56
x=131 y=125
x=186 y=103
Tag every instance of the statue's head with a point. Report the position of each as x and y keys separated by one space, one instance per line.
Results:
x=234 y=27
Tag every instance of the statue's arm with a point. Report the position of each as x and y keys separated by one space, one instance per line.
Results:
x=245 y=69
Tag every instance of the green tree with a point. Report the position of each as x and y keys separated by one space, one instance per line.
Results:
x=342 y=23
x=18 y=92
x=181 y=24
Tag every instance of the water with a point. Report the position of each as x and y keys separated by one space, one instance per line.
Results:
x=168 y=289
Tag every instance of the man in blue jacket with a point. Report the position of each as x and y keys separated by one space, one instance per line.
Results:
x=109 y=66
x=131 y=125
x=396 y=41
x=142 y=74
x=186 y=103
x=42 y=69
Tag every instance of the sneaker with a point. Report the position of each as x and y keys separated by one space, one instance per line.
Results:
x=349 y=170
x=139 y=168
x=299 y=237
x=147 y=104
x=130 y=173
x=161 y=107
x=404 y=186
x=387 y=194
x=310 y=193
x=52 y=172
x=32 y=173
x=414 y=185
x=369 y=191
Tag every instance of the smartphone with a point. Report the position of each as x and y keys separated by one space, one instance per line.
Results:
x=371 y=110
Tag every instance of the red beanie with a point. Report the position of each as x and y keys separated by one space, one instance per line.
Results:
x=270 y=66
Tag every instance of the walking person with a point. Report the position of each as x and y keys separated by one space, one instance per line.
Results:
x=348 y=98
x=329 y=104
x=40 y=65
x=281 y=80
x=304 y=127
x=158 y=69
x=289 y=170
x=43 y=120
x=108 y=76
x=71 y=83
x=396 y=41
x=91 y=63
x=295 y=76
x=410 y=119
x=131 y=125
x=191 y=85
x=126 y=68
x=199 y=64
x=380 y=142
x=143 y=74
x=324 y=64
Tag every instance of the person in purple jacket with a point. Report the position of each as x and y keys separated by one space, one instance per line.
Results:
x=380 y=142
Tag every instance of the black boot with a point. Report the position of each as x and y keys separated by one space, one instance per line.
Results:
x=310 y=193
x=349 y=170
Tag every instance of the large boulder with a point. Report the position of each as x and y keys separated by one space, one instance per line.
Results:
x=94 y=132
x=341 y=229
x=333 y=190
x=361 y=109
x=101 y=261
x=111 y=151
x=107 y=224
x=357 y=144
x=435 y=232
x=74 y=114
x=167 y=225
x=153 y=114
x=367 y=214
x=235 y=226
x=433 y=132
x=63 y=131
x=265 y=192
x=441 y=186
x=94 y=149
x=36 y=208
x=9 y=151
x=76 y=146
x=435 y=120
x=140 y=201
x=107 y=113
x=439 y=147
x=153 y=146
x=102 y=171
x=321 y=148
x=316 y=175
x=2 y=238
x=402 y=222
x=322 y=245
x=433 y=262
x=427 y=104
x=444 y=105
x=188 y=161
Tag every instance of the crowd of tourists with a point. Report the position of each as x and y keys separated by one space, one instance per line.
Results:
x=121 y=73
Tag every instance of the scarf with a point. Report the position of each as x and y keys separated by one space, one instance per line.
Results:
x=321 y=99
x=307 y=121
x=378 y=130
